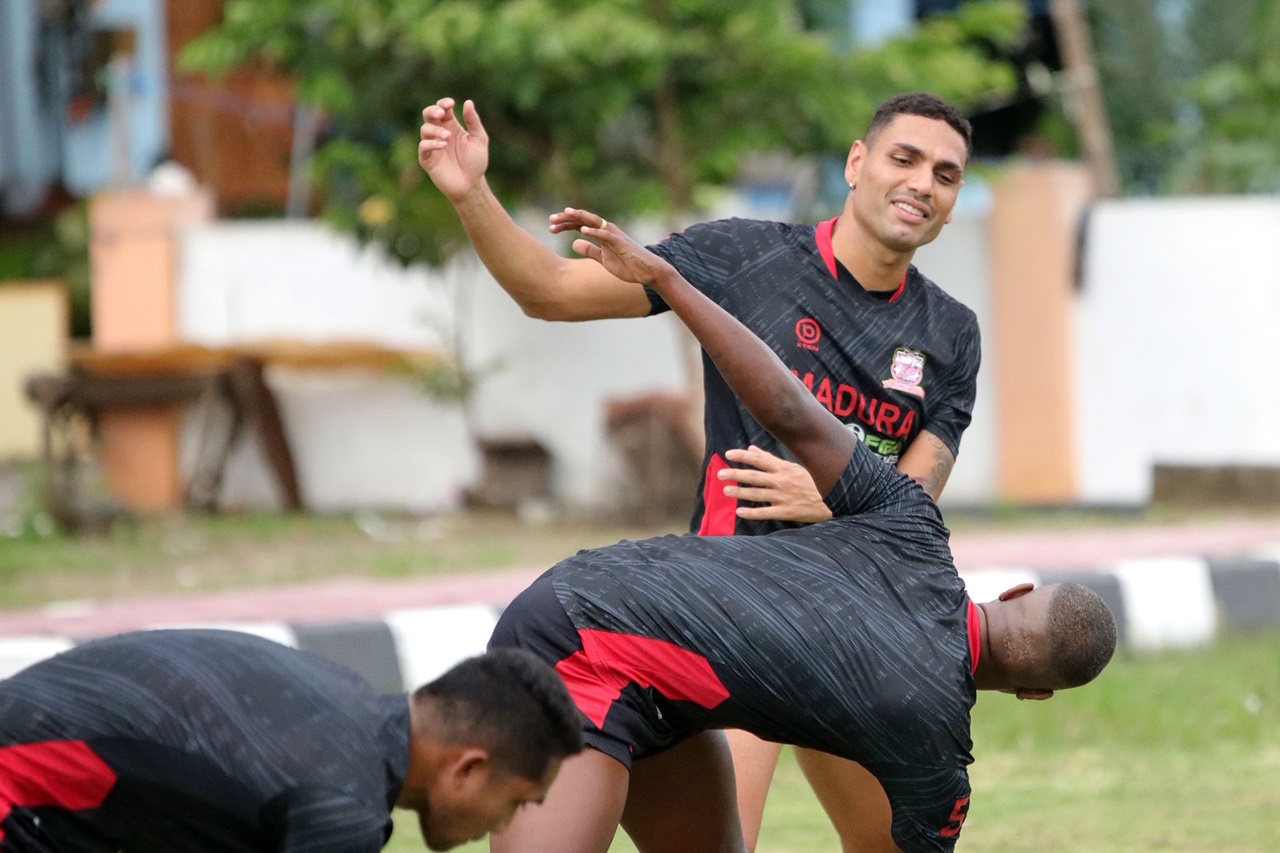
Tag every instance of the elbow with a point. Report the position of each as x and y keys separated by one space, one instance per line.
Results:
x=536 y=310
x=546 y=310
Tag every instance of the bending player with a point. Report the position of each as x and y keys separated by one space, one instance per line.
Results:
x=852 y=636
x=214 y=740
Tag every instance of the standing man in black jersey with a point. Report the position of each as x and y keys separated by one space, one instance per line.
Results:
x=221 y=742
x=882 y=347
x=852 y=636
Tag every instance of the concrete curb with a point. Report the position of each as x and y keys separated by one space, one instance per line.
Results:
x=1159 y=603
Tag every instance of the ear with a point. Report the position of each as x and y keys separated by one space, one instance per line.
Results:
x=1038 y=695
x=469 y=766
x=853 y=164
x=1016 y=591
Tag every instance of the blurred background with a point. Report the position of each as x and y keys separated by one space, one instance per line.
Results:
x=200 y=190
x=243 y=341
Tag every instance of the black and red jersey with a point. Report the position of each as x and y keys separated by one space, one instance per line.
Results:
x=854 y=637
x=887 y=367
x=197 y=740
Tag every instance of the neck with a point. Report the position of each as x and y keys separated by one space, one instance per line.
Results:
x=874 y=265
x=986 y=677
x=423 y=759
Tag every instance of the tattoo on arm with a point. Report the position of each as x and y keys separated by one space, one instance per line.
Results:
x=933 y=480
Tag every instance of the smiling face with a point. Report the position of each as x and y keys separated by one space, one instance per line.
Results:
x=906 y=179
x=470 y=800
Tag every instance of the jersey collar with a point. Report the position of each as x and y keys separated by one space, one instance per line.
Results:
x=975 y=634
x=825 y=230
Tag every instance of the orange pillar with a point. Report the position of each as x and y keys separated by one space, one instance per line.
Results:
x=134 y=258
x=1035 y=226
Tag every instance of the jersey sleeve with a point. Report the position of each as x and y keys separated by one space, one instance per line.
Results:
x=868 y=485
x=948 y=414
x=929 y=807
x=331 y=822
x=707 y=255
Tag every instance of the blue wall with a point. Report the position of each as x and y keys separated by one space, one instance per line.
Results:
x=40 y=144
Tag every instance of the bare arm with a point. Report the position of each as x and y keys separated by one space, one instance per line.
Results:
x=768 y=389
x=542 y=283
x=928 y=461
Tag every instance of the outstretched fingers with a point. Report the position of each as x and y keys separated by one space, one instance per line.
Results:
x=471 y=116
x=755 y=457
x=573 y=219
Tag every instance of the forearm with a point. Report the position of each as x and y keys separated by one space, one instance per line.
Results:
x=766 y=387
x=928 y=461
x=525 y=267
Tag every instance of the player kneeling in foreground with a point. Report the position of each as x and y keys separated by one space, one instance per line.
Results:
x=852 y=636
x=219 y=741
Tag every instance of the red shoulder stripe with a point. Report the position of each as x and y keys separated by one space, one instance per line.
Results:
x=66 y=774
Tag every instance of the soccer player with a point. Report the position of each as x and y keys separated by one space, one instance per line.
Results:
x=218 y=741
x=882 y=347
x=852 y=636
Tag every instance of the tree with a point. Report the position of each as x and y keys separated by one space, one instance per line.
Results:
x=1233 y=144
x=1193 y=93
x=623 y=106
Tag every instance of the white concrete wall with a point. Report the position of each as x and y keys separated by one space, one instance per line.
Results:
x=959 y=262
x=296 y=280
x=1177 y=347
x=370 y=440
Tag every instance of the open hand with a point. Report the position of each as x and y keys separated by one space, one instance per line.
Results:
x=785 y=486
x=455 y=157
x=616 y=252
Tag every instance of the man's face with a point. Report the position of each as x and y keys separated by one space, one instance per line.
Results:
x=907 y=181
x=470 y=802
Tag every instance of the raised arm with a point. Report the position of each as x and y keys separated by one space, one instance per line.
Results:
x=770 y=391
x=544 y=284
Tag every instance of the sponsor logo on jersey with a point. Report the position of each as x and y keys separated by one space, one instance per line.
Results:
x=808 y=333
x=906 y=372
x=880 y=416
x=888 y=449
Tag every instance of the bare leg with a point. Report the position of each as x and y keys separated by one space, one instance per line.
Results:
x=754 y=761
x=683 y=800
x=579 y=815
x=853 y=799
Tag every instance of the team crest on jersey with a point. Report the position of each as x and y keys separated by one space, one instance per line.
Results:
x=808 y=333
x=906 y=372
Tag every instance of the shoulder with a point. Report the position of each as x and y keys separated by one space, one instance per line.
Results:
x=942 y=302
x=869 y=485
x=748 y=233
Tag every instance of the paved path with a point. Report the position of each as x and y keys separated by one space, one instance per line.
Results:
x=342 y=599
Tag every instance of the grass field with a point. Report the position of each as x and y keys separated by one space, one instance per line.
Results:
x=1163 y=754
x=194 y=553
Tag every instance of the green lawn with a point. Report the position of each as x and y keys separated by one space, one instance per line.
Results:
x=194 y=553
x=1171 y=752
x=202 y=553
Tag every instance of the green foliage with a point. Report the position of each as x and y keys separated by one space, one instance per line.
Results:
x=1193 y=93
x=59 y=250
x=623 y=106
x=1236 y=145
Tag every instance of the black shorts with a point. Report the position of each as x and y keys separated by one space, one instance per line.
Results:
x=638 y=722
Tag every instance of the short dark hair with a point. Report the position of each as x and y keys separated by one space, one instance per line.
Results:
x=511 y=703
x=1082 y=634
x=919 y=104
